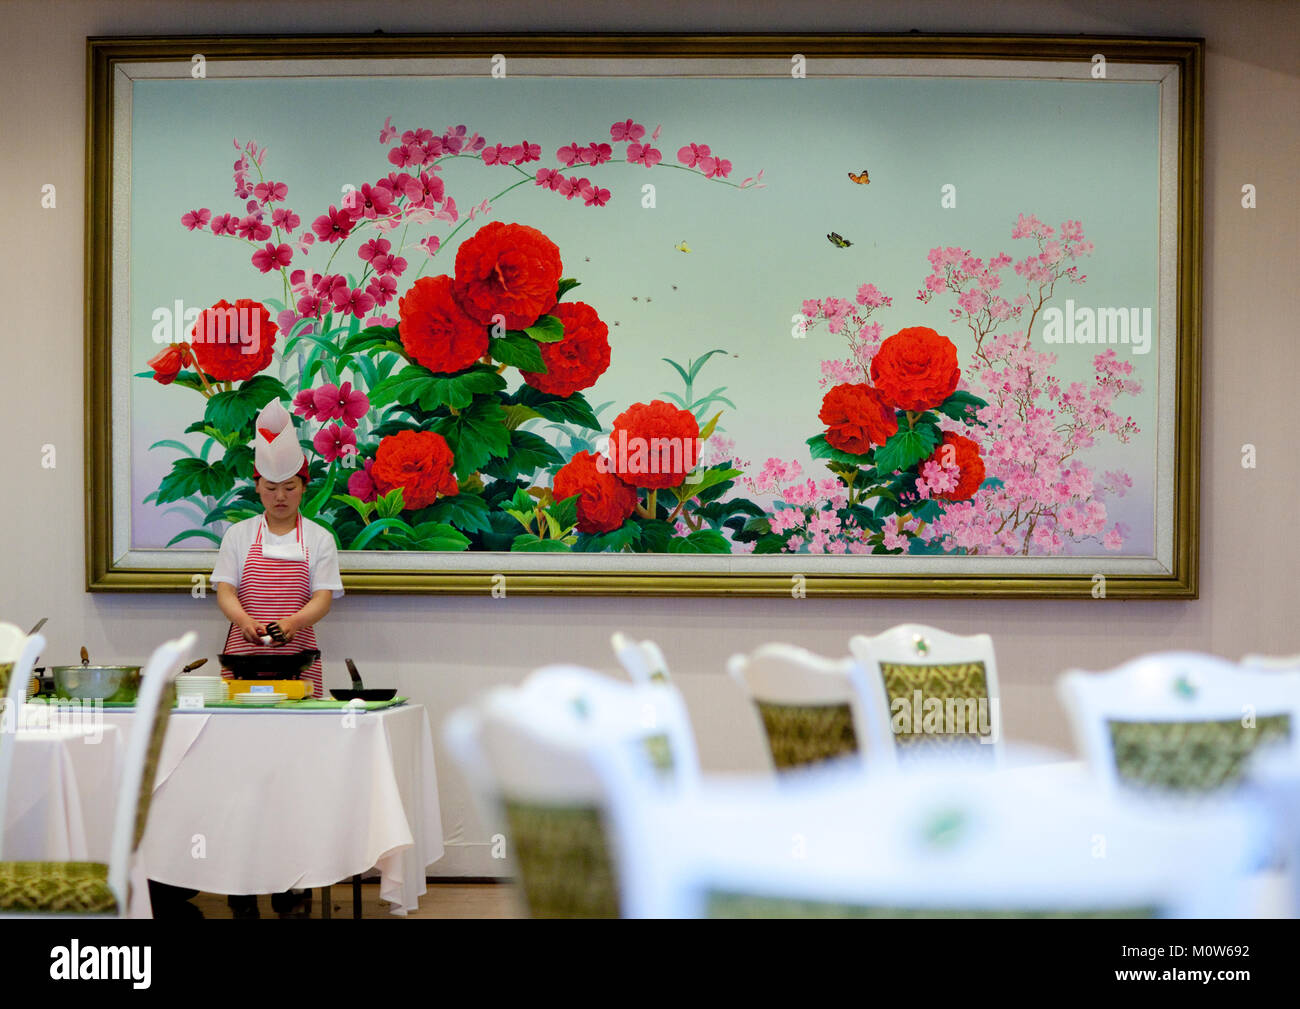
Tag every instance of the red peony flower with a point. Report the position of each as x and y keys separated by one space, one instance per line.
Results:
x=965 y=455
x=435 y=331
x=167 y=363
x=606 y=501
x=916 y=368
x=419 y=462
x=654 y=444
x=856 y=417
x=579 y=359
x=510 y=269
x=234 y=342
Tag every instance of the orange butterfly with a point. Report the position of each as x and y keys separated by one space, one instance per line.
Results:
x=861 y=180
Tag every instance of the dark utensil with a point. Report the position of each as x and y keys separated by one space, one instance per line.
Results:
x=193 y=666
x=359 y=691
x=39 y=624
x=286 y=666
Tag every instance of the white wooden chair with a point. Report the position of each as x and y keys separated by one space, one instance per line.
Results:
x=1272 y=663
x=560 y=762
x=643 y=660
x=813 y=709
x=1180 y=721
x=29 y=889
x=18 y=653
x=934 y=691
x=950 y=844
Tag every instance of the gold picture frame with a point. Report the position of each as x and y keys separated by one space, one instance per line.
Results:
x=1175 y=66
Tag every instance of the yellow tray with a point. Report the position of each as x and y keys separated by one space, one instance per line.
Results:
x=293 y=690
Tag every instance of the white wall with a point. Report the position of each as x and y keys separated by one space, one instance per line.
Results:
x=441 y=651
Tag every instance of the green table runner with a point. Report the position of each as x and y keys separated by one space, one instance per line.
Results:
x=313 y=704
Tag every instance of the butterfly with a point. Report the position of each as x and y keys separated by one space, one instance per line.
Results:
x=837 y=241
x=682 y=246
x=861 y=180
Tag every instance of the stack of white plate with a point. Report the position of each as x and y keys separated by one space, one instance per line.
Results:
x=210 y=688
x=260 y=698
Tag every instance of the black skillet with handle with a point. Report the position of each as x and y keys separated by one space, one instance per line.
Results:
x=359 y=690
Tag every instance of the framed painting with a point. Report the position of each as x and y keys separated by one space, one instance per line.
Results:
x=676 y=314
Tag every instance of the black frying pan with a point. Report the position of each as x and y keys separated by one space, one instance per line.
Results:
x=359 y=691
x=286 y=666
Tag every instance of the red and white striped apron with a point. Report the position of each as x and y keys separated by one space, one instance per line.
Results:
x=271 y=589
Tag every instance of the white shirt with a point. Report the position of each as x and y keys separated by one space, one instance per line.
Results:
x=322 y=554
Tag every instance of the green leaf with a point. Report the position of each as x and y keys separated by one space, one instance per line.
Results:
x=417 y=384
x=235 y=409
x=310 y=507
x=188 y=379
x=475 y=435
x=370 y=532
x=906 y=448
x=390 y=505
x=206 y=534
x=362 y=508
x=467 y=512
x=822 y=449
x=440 y=536
x=564 y=512
x=686 y=379
x=754 y=528
x=770 y=544
x=529 y=541
x=234 y=511
x=706 y=541
x=547 y=329
x=180 y=446
x=573 y=408
x=962 y=406
x=707 y=479
x=372 y=337
x=655 y=535
x=567 y=284
x=528 y=452
x=699 y=363
x=193 y=476
x=625 y=536
x=239 y=460
x=518 y=351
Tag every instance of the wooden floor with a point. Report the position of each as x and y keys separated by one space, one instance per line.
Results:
x=442 y=900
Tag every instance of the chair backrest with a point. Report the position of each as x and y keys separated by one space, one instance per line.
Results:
x=1272 y=663
x=18 y=654
x=935 y=690
x=652 y=716
x=643 y=660
x=813 y=709
x=1179 y=721
x=949 y=844
x=153 y=707
x=561 y=759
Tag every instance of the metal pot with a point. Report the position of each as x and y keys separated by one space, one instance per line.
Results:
x=108 y=683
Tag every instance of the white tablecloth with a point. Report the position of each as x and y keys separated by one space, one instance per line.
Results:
x=62 y=793
x=262 y=801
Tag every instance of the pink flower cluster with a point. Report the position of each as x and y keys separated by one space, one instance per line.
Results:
x=332 y=402
x=842 y=316
x=569 y=187
x=700 y=157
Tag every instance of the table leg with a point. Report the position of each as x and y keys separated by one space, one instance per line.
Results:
x=326 y=903
x=356 y=895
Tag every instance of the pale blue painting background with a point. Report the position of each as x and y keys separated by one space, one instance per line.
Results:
x=1060 y=150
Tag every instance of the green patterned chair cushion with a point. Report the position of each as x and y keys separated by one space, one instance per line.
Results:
x=940 y=707
x=152 y=756
x=56 y=887
x=722 y=904
x=801 y=734
x=1190 y=756
x=564 y=860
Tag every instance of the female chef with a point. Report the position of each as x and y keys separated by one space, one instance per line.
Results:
x=277 y=570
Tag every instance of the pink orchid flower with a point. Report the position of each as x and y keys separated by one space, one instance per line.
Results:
x=334 y=441
x=626 y=131
x=304 y=404
x=273 y=257
x=388 y=131
x=196 y=219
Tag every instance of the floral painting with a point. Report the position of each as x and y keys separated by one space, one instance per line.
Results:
x=547 y=317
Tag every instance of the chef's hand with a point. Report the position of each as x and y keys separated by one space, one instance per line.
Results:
x=289 y=626
x=253 y=631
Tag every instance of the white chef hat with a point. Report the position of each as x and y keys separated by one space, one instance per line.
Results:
x=276 y=452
